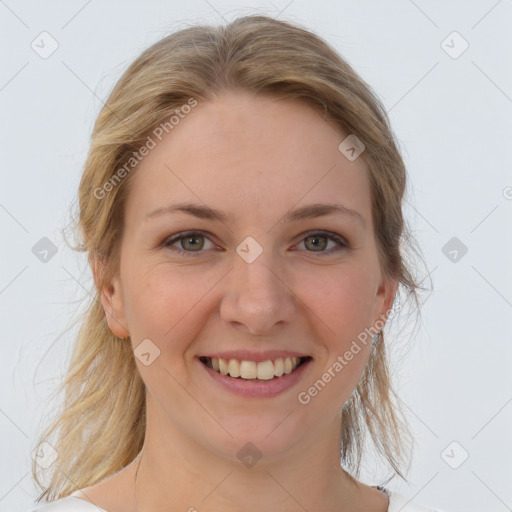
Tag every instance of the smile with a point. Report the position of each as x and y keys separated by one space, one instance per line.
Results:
x=254 y=379
x=252 y=370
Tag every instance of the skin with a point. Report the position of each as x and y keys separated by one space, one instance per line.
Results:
x=255 y=158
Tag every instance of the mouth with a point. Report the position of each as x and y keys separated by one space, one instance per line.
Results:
x=270 y=369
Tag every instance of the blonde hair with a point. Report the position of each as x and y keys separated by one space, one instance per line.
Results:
x=101 y=427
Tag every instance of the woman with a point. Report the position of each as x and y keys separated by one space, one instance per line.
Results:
x=241 y=210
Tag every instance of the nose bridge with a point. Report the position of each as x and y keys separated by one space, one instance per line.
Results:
x=255 y=270
x=257 y=296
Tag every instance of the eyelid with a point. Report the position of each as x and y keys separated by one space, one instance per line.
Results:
x=167 y=242
x=340 y=240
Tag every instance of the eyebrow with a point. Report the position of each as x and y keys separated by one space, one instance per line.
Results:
x=305 y=212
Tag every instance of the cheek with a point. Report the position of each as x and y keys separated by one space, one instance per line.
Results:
x=164 y=304
x=168 y=307
x=342 y=299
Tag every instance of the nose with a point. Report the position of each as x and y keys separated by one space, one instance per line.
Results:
x=257 y=296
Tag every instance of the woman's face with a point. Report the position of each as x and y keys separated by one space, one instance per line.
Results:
x=261 y=277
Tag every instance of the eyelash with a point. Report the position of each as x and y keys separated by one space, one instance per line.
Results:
x=188 y=234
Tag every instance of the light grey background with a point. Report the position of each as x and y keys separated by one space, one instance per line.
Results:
x=453 y=119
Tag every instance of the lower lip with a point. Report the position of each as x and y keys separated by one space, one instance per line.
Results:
x=256 y=387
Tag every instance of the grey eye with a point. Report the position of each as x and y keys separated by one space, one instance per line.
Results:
x=191 y=242
x=317 y=242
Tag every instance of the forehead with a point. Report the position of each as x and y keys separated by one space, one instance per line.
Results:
x=246 y=153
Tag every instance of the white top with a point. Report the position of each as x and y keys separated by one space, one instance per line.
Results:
x=397 y=503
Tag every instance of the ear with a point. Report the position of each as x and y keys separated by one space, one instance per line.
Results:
x=111 y=296
x=384 y=298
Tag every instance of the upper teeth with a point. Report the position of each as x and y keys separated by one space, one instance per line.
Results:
x=264 y=370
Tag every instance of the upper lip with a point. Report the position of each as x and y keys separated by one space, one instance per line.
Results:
x=248 y=355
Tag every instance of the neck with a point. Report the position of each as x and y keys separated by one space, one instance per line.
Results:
x=173 y=471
